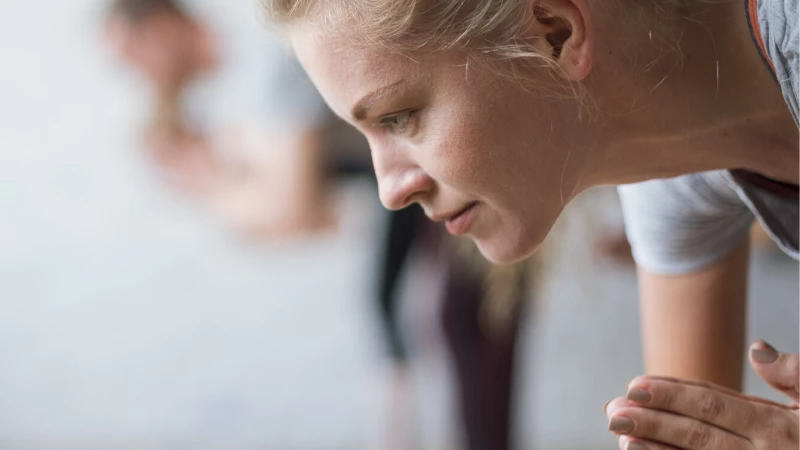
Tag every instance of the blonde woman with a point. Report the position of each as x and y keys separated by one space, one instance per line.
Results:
x=494 y=114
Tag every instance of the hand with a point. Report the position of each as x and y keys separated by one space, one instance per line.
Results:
x=661 y=413
x=779 y=370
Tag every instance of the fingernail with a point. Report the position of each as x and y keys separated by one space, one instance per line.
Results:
x=764 y=355
x=639 y=396
x=635 y=446
x=620 y=425
x=605 y=407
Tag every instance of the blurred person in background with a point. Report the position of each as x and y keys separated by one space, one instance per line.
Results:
x=272 y=134
x=259 y=126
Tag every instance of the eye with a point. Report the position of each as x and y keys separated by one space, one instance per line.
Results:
x=397 y=123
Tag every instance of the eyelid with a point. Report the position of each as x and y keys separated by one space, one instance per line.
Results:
x=407 y=114
x=398 y=113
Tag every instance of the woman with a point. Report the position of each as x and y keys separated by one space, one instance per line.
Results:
x=494 y=114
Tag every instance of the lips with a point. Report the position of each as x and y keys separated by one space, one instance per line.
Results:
x=460 y=222
x=451 y=214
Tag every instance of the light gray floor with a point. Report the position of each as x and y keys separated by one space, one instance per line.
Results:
x=131 y=321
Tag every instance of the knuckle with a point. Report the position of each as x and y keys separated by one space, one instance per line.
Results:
x=699 y=436
x=710 y=407
x=664 y=396
x=792 y=363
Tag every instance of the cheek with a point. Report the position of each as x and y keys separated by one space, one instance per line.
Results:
x=523 y=157
x=512 y=163
x=494 y=154
x=465 y=146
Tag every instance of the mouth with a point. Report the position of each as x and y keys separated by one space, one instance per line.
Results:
x=459 y=222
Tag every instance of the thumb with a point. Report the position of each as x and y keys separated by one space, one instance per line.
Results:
x=779 y=370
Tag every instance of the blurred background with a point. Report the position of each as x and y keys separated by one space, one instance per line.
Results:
x=136 y=315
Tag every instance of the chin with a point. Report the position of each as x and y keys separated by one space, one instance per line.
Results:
x=500 y=249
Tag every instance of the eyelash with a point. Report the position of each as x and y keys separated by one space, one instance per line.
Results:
x=397 y=123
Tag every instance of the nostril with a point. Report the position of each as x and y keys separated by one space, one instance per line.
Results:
x=396 y=200
x=403 y=190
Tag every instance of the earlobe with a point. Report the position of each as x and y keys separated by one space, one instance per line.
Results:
x=566 y=26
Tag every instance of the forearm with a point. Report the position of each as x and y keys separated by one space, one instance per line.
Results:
x=693 y=326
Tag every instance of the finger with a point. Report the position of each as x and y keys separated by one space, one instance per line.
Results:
x=779 y=370
x=628 y=443
x=710 y=386
x=616 y=404
x=683 y=381
x=670 y=429
x=728 y=412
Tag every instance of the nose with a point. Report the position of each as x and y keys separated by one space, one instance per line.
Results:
x=403 y=188
x=401 y=182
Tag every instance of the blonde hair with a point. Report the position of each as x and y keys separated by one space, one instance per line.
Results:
x=414 y=24
x=491 y=32
x=487 y=31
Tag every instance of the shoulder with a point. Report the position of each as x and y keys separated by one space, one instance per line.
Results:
x=683 y=224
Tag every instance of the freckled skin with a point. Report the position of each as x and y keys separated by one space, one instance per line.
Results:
x=476 y=137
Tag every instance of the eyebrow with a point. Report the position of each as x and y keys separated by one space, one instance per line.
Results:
x=362 y=107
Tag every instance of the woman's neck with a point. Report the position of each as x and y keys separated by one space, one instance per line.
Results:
x=702 y=101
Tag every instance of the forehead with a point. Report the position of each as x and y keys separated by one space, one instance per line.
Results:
x=344 y=69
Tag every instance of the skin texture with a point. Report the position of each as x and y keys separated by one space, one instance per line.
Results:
x=466 y=121
x=475 y=137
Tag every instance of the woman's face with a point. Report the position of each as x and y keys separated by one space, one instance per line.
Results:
x=475 y=150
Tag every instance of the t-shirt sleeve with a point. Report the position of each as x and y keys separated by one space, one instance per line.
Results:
x=779 y=22
x=684 y=224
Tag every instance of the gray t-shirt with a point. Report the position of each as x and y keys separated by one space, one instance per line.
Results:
x=681 y=225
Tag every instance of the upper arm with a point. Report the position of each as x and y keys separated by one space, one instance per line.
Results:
x=693 y=325
x=689 y=238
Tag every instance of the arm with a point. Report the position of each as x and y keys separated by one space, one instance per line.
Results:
x=259 y=182
x=693 y=325
x=279 y=192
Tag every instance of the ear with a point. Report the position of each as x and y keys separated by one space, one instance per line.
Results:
x=566 y=27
